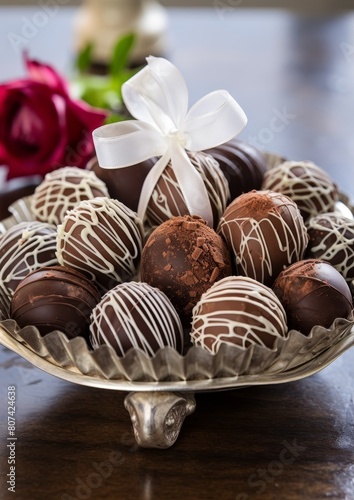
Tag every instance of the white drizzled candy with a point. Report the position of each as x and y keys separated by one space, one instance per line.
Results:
x=136 y=315
x=25 y=247
x=265 y=233
x=167 y=199
x=332 y=239
x=306 y=184
x=238 y=311
x=62 y=190
x=102 y=238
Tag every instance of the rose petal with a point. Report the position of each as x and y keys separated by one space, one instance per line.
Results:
x=44 y=73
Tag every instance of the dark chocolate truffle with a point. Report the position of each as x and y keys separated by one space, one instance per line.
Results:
x=306 y=184
x=103 y=238
x=242 y=164
x=265 y=233
x=62 y=190
x=313 y=293
x=23 y=248
x=123 y=184
x=183 y=257
x=168 y=201
x=55 y=298
x=332 y=239
x=238 y=311
x=136 y=315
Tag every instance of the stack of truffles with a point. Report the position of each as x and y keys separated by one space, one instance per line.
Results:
x=157 y=244
x=278 y=258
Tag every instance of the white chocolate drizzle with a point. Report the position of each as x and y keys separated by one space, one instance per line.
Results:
x=143 y=314
x=262 y=244
x=313 y=191
x=237 y=310
x=337 y=243
x=62 y=190
x=167 y=200
x=25 y=247
x=101 y=237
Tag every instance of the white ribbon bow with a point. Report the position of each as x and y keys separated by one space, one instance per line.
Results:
x=157 y=97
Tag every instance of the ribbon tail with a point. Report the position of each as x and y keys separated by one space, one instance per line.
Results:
x=192 y=185
x=150 y=183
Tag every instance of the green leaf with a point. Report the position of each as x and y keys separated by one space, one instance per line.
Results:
x=114 y=118
x=121 y=53
x=84 y=58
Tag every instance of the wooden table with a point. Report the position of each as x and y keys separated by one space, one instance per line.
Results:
x=290 y=441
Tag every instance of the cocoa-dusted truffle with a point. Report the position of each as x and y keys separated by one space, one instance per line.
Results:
x=242 y=164
x=62 y=190
x=168 y=201
x=306 y=184
x=313 y=293
x=123 y=184
x=103 y=238
x=55 y=298
x=238 y=311
x=136 y=315
x=23 y=248
x=332 y=239
x=265 y=233
x=183 y=257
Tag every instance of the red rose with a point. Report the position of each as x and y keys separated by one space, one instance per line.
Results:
x=41 y=127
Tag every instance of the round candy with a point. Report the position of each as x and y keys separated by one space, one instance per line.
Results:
x=23 y=248
x=242 y=164
x=123 y=184
x=136 y=315
x=103 y=238
x=332 y=239
x=238 y=311
x=62 y=190
x=55 y=298
x=313 y=293
x=168 y=201
x=265 y=233
x=183 y=257
x=306 y=184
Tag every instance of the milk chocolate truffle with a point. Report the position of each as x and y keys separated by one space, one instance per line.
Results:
x=183 y=257
x=123 y=184
x=332 y=239
x=62 y=190
x=136 y=315
x=55 y=298
x=103 y=238
x=242 y=164
x=313 y=293
x=306 y=184
x=168 y=201
x=238 y=311
x=265 y=233
x=23 y=248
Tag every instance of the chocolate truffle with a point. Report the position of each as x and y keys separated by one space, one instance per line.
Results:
x=123 y=184
x=55 y=298
x=306 y=184
x=313 y=293
x=136 y=315
x=103 y=238
x=183 y=257
x=265 y=233
x=242 y=164
x=62 y=190
x=238 y=311
x=168 y=201
x=23 y=248
x=332 y=239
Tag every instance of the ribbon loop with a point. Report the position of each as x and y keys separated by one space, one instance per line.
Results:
x=157 y=98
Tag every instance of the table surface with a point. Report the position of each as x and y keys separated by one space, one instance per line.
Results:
x=288 y=441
